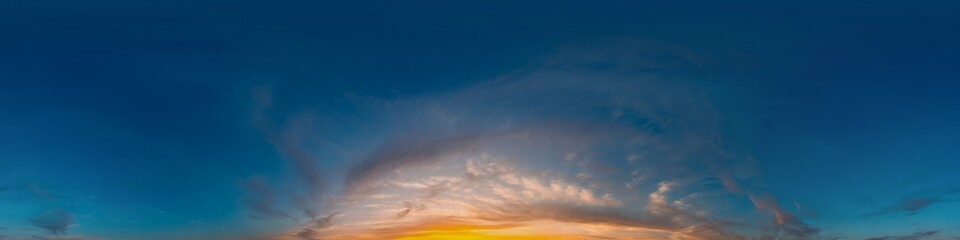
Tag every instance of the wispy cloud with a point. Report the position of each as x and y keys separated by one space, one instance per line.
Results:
x=917 y=201
x=913 y=236
x=292 y=137
x=403 y=154
x=785 y=221
x=60 y=238
x=261 y=199
x=410 y=207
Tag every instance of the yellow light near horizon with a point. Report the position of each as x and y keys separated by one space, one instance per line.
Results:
x=471 y=236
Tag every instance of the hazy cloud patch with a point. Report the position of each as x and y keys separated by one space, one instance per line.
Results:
x=56 y=221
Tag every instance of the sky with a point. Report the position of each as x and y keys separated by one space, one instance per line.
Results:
x=294 y=120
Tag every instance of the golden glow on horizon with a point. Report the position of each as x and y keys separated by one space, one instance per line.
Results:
x=501 y=204
x=476 y=232
x=473 y=236
x=457 y=229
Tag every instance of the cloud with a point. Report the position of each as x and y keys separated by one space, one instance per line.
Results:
x=912 y=236
x=29 y=191
x=518 y=197
x=324 y=221
x=404 y=153
x=306 y=233
x=293 y=143
x=917 y=201
x=410 y=207
x=57 y=238
x=649 y=151
x=909 y=206
x=680 y=224
x=785 y=221
x=292 y=139
x=56 y=221
x=39 y=191
x=414 y=228
x=261 y=199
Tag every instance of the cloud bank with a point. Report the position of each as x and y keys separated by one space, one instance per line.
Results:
x=561 y=148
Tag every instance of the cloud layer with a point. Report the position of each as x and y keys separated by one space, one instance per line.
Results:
x=606 y=154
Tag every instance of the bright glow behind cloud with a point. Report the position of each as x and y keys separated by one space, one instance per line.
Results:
x=550 y=152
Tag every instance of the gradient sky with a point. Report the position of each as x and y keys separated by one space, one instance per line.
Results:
x=273 y=120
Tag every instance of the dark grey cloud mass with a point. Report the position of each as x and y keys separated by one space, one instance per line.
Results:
x=56 y=221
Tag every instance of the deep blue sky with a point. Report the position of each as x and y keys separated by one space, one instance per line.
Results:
x=144 y=119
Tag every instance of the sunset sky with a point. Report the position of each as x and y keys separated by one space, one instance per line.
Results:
x=308 y=120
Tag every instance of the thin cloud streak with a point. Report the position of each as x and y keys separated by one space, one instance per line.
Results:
x=261 y=199
x=917 y=202
x=913 y=236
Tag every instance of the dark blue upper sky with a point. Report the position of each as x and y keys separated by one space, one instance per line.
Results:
x=144 y=119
